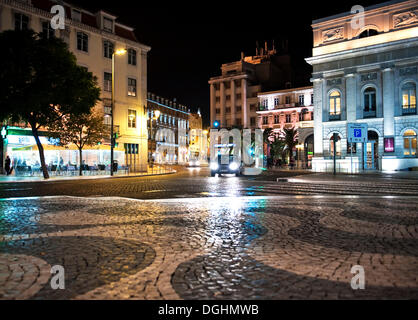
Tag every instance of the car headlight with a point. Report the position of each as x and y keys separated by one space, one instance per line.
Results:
x=233 y=166
x=214 y=166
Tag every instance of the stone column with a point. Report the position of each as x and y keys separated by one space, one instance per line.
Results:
x=212 y=104
x=319 y=105
x=388 y=102
x=245 y=112
x=233 y=106
x=351 y=98
x=222 y=100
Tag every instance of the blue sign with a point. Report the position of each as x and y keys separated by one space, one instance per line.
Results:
x=357 y=132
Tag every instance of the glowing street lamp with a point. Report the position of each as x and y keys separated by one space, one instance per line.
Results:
x=118 y=52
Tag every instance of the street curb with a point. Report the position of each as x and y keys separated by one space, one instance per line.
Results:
x=87 y=179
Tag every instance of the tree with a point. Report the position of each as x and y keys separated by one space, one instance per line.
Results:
x=81 y=130
x=290 y=140
x=40 y=83
x=278 y=148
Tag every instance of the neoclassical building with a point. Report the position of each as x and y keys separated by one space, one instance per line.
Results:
x=92 y=37
x=366 y=71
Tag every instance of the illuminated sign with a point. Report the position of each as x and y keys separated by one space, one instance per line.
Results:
x=389 y=144
x=357 y=132
x=4 y=132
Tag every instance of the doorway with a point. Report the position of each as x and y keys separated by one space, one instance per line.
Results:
x=371 y=151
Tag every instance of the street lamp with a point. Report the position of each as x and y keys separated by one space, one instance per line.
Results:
x=119 y=52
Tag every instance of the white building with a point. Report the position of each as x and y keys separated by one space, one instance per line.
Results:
x=367 y=73
x=92 y=37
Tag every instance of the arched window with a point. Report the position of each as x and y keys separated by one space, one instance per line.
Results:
x=337 y=145
x=335 y=105
x=410 y=143
x=368 y=33
x=369 y=102
x=409 y=98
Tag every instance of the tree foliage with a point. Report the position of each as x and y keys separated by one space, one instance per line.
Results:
x=40 y=82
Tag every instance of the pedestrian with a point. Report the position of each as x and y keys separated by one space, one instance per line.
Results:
x=7 y=166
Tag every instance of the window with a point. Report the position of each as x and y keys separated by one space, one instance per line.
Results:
x=238 y=122
x=239 y=109
x=409 y=99
x=368 y=33
x=107 y=24
x=76 y=15
x=227 y=110
x=410 y=143
x=132 y=87
x=265 y=120
x=108 y=49
x=301 y=100
x=239 y=96
x=132 y=119
x=252 y=121
x=276 y=102
x=334 y=104
x=107 y=83
x=338 y=146
x=132 y=57
x=218 y=111
x=288 y=118
x=370 y=102
x=82 y=42
x=265 y=103
x=276 y=119
x=312 y=99
x=47 y=30
x=287 y=100
x=21 y=21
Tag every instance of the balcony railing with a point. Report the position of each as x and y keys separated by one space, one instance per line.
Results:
x=369 y=114
x=409 y=110
x=334 y=116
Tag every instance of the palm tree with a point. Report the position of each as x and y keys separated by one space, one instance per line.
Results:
x=291 y=141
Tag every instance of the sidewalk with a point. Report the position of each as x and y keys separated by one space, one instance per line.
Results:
x=151 y=172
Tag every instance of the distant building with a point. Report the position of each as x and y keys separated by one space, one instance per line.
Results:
x=233 y=95
x=290 y=108
x=197 y=145
x=367 y=74
x=173 y=116
x=92 y=38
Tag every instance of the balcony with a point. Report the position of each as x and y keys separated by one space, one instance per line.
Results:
x=369 y=114
x=334 y=116
x=408 y=110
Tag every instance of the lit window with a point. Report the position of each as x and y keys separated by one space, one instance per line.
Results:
x=131 y=119
x=410 y=143
x=335 y=103
x=82 y=42
x=409 y=98
x=132 y=87
x=108 y=49
x=338 y=146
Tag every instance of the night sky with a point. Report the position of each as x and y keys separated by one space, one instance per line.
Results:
x=191 y=40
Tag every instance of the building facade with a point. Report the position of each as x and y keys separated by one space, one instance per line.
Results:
x=233 y=95
x=290 y=108
x=365 y=71
x=92 y=38
x=197 y=138
x=168 y=132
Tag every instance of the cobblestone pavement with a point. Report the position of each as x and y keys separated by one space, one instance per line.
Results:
x=283 y=247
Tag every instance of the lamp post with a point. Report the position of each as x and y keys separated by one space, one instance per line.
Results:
x=119 y=52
